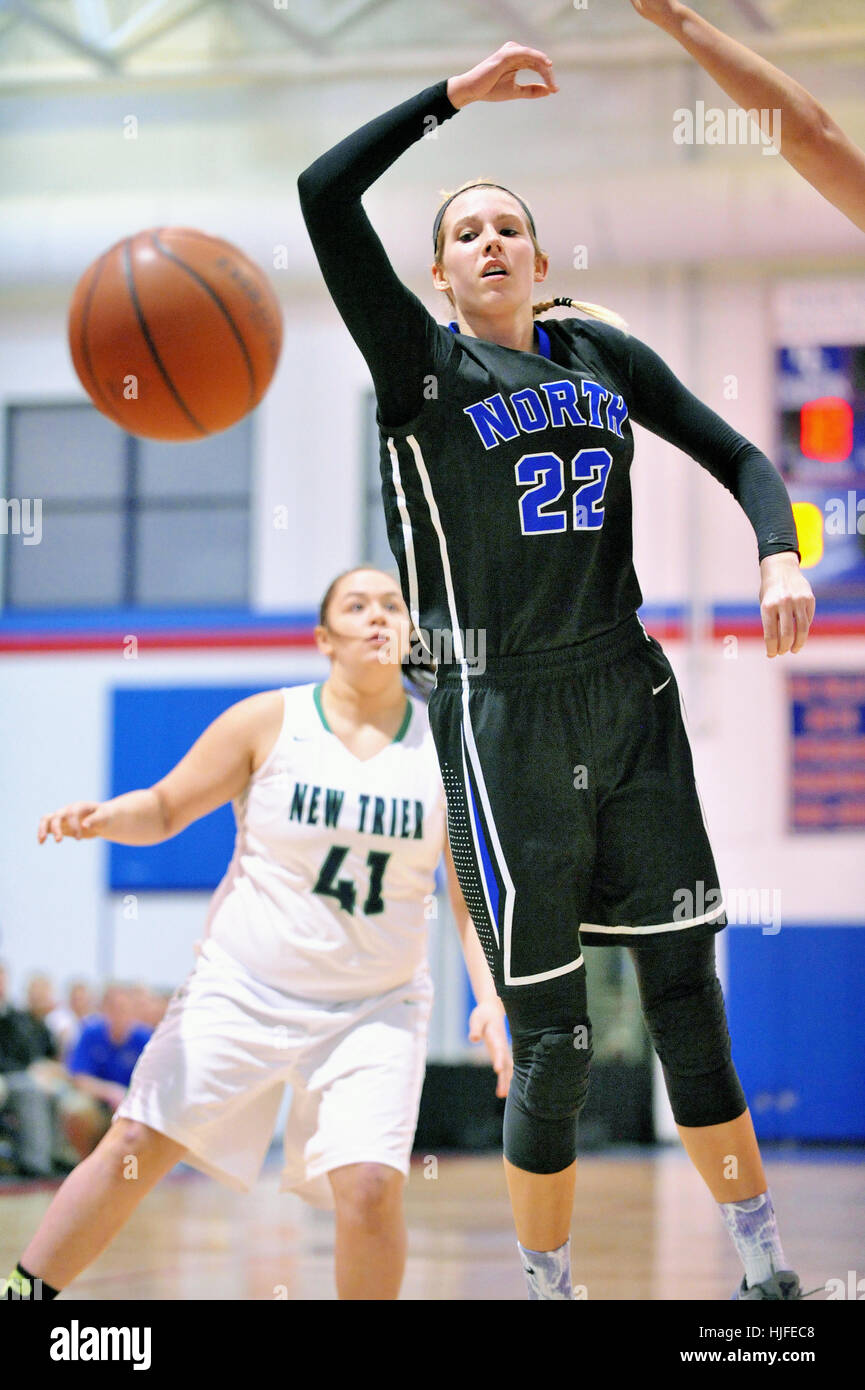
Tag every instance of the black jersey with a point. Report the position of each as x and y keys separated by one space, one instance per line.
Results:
x=505 y=474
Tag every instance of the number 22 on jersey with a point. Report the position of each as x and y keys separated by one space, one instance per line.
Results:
x=590 y=469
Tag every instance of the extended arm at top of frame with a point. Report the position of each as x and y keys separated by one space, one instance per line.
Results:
x=811 y=141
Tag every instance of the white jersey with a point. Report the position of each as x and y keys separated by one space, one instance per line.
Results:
x=327 y=894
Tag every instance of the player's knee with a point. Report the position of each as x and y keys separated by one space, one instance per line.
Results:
x=367 y=1195
x=551 y=1071
x=129 y=1139
x=689 y=1032
x=547 y=1093
x=688 y=1029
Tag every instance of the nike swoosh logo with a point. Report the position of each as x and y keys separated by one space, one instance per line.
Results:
x=656 y=690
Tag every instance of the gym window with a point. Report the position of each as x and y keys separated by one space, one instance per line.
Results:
x=123 y=522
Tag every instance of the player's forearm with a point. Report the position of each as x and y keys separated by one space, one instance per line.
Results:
x=136 y=818
x=387 y=322
x=483 y=984
x=345 y=172
x=663 y=404
x=762 y=495
x=750 y=80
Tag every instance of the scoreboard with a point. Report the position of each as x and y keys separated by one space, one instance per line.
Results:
x=820 y=397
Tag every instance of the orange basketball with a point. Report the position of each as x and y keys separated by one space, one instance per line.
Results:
x=174 y=334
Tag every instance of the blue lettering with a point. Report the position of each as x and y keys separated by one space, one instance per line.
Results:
x=562 y=399
x=491 y=418
x=595 y=394
x=617 y=414
x=529 y=409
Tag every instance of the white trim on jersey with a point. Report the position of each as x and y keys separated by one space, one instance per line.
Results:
x=468 y=734
x=402 y=506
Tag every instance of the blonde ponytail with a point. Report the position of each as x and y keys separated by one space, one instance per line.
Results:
x=592 y=311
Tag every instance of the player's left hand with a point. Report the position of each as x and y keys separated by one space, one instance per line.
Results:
x=487 y=1024
x=787 y=604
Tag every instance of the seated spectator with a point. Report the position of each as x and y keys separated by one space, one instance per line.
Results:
x=24 y=1095
x=65 y=1020
x=41 y=999
x=150 y=1005
x=101 y=1064
x=161 y=999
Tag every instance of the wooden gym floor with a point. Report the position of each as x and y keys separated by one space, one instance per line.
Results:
x=644 y=1229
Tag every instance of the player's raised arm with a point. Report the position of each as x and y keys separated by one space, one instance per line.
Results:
x=811 y=141
x=216 y=769
x=388 y=323
x=487 y=1021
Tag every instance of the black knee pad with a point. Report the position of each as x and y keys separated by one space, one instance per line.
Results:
x=549 y=1086
x=688 y=1028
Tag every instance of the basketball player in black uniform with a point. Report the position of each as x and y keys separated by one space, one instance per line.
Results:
x=572 y=809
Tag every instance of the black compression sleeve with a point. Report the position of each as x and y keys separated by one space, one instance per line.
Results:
x=398 y=337
x=663 y=405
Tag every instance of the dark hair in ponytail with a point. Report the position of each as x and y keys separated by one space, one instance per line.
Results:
x=417 y=671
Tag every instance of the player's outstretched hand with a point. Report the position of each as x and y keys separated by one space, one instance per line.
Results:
x=495 y=79
x=787 y=604
x=487 y=1024
x=81 y=820
x=658 y=11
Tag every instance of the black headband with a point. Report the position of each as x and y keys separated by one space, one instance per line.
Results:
x=441 y=212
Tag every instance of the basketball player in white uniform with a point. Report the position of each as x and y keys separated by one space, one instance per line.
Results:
x=313 y=971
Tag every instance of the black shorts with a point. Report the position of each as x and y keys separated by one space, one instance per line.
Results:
x=573 y=815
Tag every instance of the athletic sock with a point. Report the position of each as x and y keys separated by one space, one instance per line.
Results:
x=24 y=1287
x=548 y=1272
x=754 y=1232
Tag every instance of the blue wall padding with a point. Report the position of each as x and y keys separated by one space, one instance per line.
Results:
x=797 y=1022
x=151 y=731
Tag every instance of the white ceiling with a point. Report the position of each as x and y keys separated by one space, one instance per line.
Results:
x=51 y=43
x=232 y=99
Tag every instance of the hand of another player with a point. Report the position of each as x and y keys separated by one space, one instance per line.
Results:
x=80 y=820
x=487 y=1025
x=495 y=79
x=658 y=11
x=787 y=604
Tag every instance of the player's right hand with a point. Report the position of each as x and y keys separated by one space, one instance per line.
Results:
x=80 y=820
x=495 y=79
